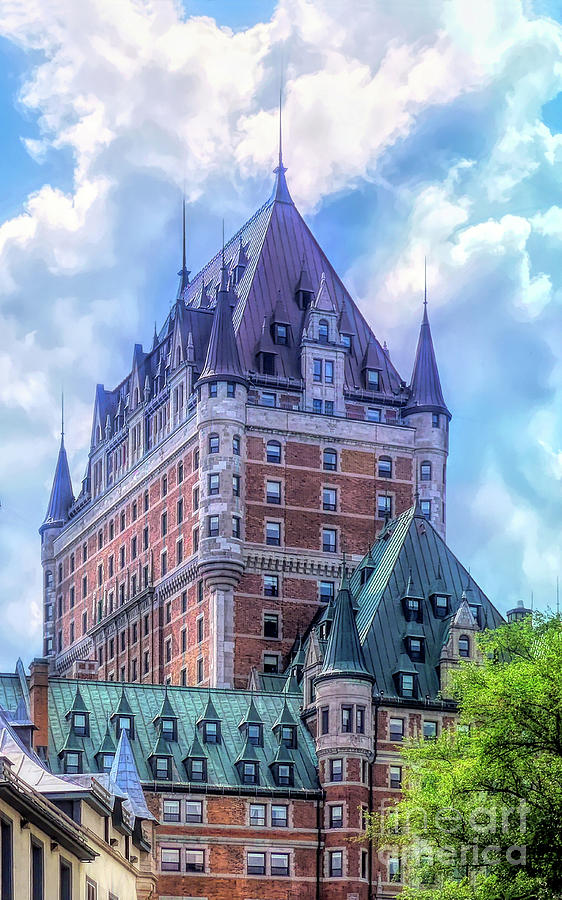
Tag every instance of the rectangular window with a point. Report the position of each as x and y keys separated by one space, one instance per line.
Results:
x=329 y=371
x=271 y=663
x=179 y=551
x=183 y=677
x=195 y=540
x=91 y=890
x=336 y=864
x=168 y=650
x=373 y=414
x=84 y=586
x=385 y=467
x=317 y=369
x=325 y=720
x=171 y=810
x=336 y=770
x=230 y=389
x=256 y=863
x=37 y=871
x=429 y=731
x=384 y=507
x=347 y=719
x=214 y=484
x=279 y=816
x=6 y=860
x=360 y=719
x=236 y=485
x=426 y=508
x=329 y=499
x=145 y=538
x=184 y=602
x=273 y=534
x=273 y=492
x=200 y=591
x=236 y=526
x=279 y=864
x=72 y=632
x=170 y=859
x=195 y=498
x=200 y=629
x=395 y=774
x=183 y=639
x=271 y=585
x=336 y=816
x=257 y=814
x=164 y=524
x=146 y=501
x=65 y=880
x=212 y=526
x=373 y=380
x=200 y=670
x=435 y=420
x=396 y=730
x=329 y=407
x=122 y=558
x=329 y=540
x=394 y=869
x=163 y=563
x=213 y=387
x=236 y=445
x=326 y=591
x=271 y=625
x=84 y=622
x=194 y=860
x=179 y=511
x=194 y=811
x=268 y=399
x=407 y=683
x=317 y=406
x=146 y=662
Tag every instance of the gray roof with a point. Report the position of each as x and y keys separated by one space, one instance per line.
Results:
x=222 y=353
x=124 y=774
x=62 y=497
x=344 y=654
x=425 y=388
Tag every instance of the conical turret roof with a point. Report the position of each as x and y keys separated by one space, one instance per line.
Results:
x=344 y=654
x=62 y=497
x=222 y=353
x=425 y=388
x=252 y=716
x=125 y=775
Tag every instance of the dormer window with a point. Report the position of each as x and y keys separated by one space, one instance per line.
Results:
x=441 y=605
x=106 y=762
x=268 y=363
x=281 y=334
x=415 y=646
x=372 y=377
x=365 y=575
x=346 y=341
x=283 y=774
x=169 y=729
x=162 y=768
x=407 y=684
x=323 y=331
x=288 y=736
x=125 y=723
x=72 y=762
x=412 y=609
x=196 y=770
x=254 y=734
x=475 y=610
x=464 y=646
x=80 y=724
x=249 y=773
x=211 y=732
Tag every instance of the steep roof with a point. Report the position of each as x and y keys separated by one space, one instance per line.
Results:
x=62 y=497
x=222 y=353
x=125 y=775
x=344 y=654
x=425 y=387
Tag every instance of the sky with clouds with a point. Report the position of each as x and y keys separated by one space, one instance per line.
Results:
x=411 y=128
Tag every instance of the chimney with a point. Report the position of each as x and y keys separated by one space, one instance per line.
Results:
x=39 y=703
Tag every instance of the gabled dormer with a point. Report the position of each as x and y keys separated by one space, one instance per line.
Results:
x=247 y=765
x=123 y=718
x=266 y=351
x=304 y=291
x=240 y=262
x=209 y=724
x=71 y=754
x=346 y=329
x=283 y=767
x=106 y=753
x=195 y=762
x=414 y=641
x=280 y=327
x=285 y=728
x=412 y=601
x=405 y=678
x=251 y=725
x=371 y=369
x=79 y=715
x=161 y=760
x=166 y=720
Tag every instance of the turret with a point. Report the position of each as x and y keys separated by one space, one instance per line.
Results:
x=518 y=613
x=60 y=501
x=427 y=412
x=344 y=743
x=221 y=411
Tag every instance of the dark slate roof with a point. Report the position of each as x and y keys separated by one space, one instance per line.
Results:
x=410 y=548
x=425 y=388
x=344 y=655
x=190 y=705
x=222 y=353
x=62 y=497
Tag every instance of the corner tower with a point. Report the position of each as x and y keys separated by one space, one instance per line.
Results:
x=427 y=412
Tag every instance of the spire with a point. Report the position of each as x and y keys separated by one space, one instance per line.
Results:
x=280 y=190
x=62 y=497
x=184 y=272
x=222 y=352
x=344 y=654
x=125 y=775
x=155 y=337
x=425 y=388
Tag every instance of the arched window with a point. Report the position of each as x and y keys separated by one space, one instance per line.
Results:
x=425 y=471
x=330 y=460
x=273 y=451
x=323 y=331
x=385 y=467
x=213 y=443
x=464 y=646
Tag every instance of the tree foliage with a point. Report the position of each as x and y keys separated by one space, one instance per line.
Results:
x=481 y=816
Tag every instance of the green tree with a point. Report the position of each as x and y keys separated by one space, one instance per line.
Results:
x=481 y=816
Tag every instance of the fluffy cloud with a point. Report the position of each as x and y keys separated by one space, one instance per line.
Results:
x=429 y=122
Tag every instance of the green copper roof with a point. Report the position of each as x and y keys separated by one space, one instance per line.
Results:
x=123 y=707
x=281 y=755
x=108 y=744
x=247 y=753
x=166 y=711
x=284 y=718
x=210 y=714
x=291 y=686
x=11 y=690
x=344 y=654
x=78 y=704
x=251 y=716
x=161 y=747
x=191 y=705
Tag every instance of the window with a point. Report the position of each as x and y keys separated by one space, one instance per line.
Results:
x=171 y=810
x=164 y=485
x=200 y=629
x=146 y=626
x=72 y=632
x=429 y=731
x=325 y=720
x=271 y=585
x=273 y=492
x=281 y=334
x=346 y=341
x=441 y=605
x=196 y=458
x=330 y=460
x=125 y=723
x=384 y=506
x=80 y=723
x=65 y=880
x=268 y=399
x=211 y=732
x=328 y=371
x=214 y=444
x=179 y=511
x=364 y=863
x=180 y=472
x=183 y=640
x=279 y=863
x=254 y=734
x=256 y=863
x=257 y=813
x=336 y=770
x=145 y=503
x=373 y=380
x=317 y=406
x=289 y=736
x=214 y=484
x=236 y=445
x=164 y=524
x=329 y=407
x=273 y=452
x=195 y=498
x=415 y=649
x=170 y=859
x=464 y=646
x=197 y=770
x=106 y=762
x=394 y=869
x=212 y=526
x=194 y=811
x=200 y=670
x=329 y=499
x=271 y=625
x=323 y=331
x=317 y=369
x=279 y=816
x=271 y=663
x=373 y=415
x=6 y=860
x=268 y=363
x=425 y=506
x=396 y=730
x=183 y=677
x=37 y=872
x=84 y=586
x=360 y=719
x=425 y=471
x=336 y=863
x=161 y=768
x=163 y=563
x=71 y=762
x=336 y=816
x=72 y=554
x=235 y=526
x=329 y=540
x=200 y=591
x=435 y=420
x=347 y=719
x=249 y=773
x=213 y=389
x=84 y=622
x=146 y=662
x=407 y=683
x=273 y=534
x=230 y=389
x=326 y=591
x=179 y=552
x=395 y=773
x=84 y=552
x=385 y=467
x=236 y=485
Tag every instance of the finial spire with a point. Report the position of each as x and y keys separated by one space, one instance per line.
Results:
x=280 y=123
x=425 y=282
x=62 y=416
x=184 y=272
x=281 y=191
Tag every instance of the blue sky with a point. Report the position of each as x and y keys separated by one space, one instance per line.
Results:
x=411 y=129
